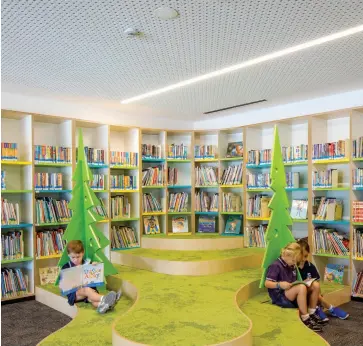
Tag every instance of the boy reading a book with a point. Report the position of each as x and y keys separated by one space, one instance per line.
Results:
x=280 y=277
x=75 y=251
x=308 y=271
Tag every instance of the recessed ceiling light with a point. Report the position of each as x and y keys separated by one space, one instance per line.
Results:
x=248 y=63
x=166 y=13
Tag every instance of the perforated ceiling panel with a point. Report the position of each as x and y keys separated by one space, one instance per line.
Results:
x=77 y=49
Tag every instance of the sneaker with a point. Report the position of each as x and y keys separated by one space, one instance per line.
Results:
x=336 y=312
x=320 y=312
x=106 y=302
x=316 y=318
x=312 y=325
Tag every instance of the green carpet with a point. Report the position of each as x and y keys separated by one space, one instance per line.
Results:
x=187 y=256
x=193 y=236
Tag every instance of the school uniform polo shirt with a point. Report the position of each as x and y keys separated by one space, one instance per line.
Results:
x=277 y=272
x=309 y=271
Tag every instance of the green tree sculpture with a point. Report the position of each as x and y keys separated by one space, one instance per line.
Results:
x=278 y=234
x=83 y=222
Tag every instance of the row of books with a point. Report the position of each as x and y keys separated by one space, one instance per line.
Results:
x=232 y=175
x=9 y=151
x=329 y=241
x=231 y=202
x=48 y=181
x=357 y=287
x=120 y=207
x=49 y=243
x=98 y=182
x=357 y=176
x=325 y=178
x=259 y=157
x=123 y=158
x=357 y=149
x=123 y=182
x=357 y=211
x=205 y=202
x=332 y=150
x=101 y=209
x=3 y=182
x=177 y=151
x=10 y=213
x=151 y=151
x=257 y=206
x=50 y=210
x=52 y=154
x=204 y=151
x=150 y=203
x=295 y=153
x=172 y=176
x=178 y=202
x=258 y=180
x=206 y=175
x=94 y=156
x=328 y=208
x=254 y=236
x=153 y=176
x=358 y=242
x=123 y=237
x=14 y=283
x=12 y=245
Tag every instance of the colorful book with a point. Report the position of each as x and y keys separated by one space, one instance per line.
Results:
x=48 y=275
x=207 y=224
x=299 y=209
x=180 y=224
x=235 y=149
x=233 y=225
x=151 y=225
x=334 y=273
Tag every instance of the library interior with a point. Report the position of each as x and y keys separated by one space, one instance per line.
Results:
x=182 y=173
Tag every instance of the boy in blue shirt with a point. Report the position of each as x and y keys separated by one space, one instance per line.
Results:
x=309 y=271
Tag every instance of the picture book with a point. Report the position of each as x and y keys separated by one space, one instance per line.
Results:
x=307 y=283
x=207 y=224
x=48 y=275
x=180 y=224
x=151 y=225
x=233 y=225
x=299 y=209
x=87 y=275
x=235 y=149
x=334 y=273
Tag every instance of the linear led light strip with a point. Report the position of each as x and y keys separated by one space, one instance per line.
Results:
x=248 y=63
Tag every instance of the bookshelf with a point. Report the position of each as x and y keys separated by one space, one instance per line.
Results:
x=30 y=130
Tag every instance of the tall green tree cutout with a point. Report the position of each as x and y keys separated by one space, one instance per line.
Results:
x=278 y=234
x=83 y=222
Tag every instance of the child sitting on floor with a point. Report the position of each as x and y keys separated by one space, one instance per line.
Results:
x=87 y=294
x=279 y=278
x=309 y=271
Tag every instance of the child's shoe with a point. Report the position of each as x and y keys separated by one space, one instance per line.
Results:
x=315 y=317
x=118 y=296
x=312 y=325
x=336 y=312
x=106 y=302
x=320 y=312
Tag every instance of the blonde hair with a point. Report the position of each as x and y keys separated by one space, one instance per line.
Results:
x=292 y=249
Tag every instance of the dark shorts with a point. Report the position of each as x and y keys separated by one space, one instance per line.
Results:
x=72 y=298
x=283 y=302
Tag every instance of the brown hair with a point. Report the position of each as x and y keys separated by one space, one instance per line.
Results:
x=292 y=249
x=75 y=246
x=304 y=245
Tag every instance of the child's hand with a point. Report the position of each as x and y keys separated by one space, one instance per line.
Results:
x=285 y=285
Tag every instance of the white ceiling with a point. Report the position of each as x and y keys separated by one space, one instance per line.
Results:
x=77 y=50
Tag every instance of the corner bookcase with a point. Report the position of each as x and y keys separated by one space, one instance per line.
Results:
x=28 y=130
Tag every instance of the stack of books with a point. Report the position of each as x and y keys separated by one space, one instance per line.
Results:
x=120 y=207
x=358 y=242
x=52 y=154
x=50 y=210
x=325 y=178
x=10 y=214
x=358 y=148
x=122 y=158
x=328 y=209
x=204 y=151
x=259 y=157
x=98 y=182
x=357 y=176
x=153 y=176
x=257 y=206
x=94 y=156
x=101 y=209
x=48 y=181
x=14 y=283
x=357 y=211
x=178 y=202
x=150 y=151
x=9 y=151
x=49 y=243
x=258 y=180
x=206 y=176
x=176 y=151
x=295 y=153
x=172 y=176
x=357 y=287
x=329 y=241
x=254 y=236
x=12 y=245
x=205 y=202
x=123 y=237
x=333 y=150
x=123 y=182
x=232 y=175
x=231 y=202
x=150 y=203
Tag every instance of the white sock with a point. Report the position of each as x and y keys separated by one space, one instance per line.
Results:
x=311 y=311
x=305 y=317
x=331 y=308
x=101 y=301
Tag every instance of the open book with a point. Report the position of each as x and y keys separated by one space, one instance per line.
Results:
x=87 y=275
x=307 y=283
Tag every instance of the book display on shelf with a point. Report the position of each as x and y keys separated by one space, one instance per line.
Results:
x=299 y=209
x=235 y=149
x=178 y=202
x=297 y=153
x=48 y=275
x=357 y=211
x=9 y=151
x=357 y=148
x=357 y=287
x=101 y=209
x=172 y=176
x=206 y=224
x=98 y=182
x=94 y=156
x=153 y=176
x=358 y=243
x=120 y=207
x=49 y=243
x=231 y=202
x=205 y=152
x=52 y=154
x=259 y=157
x=14 y=283
x=150 y=203
x=123 y=237
x=206 y=176
x=329 y=209
x=232 y=175
x=50 y=210
x=120 y=158
x=254 y=236
x=257 y=206
x=123 y=182
x=12 y=245
x=334 y=273
x=331 y=151
x=177 y=151
x=48 y=181
x=151 y=225
x=233 y=224
x=258 y=180
x=10 y=212
x=150 y=151
x=325 y=178
x=357 y=176
x=179 y=224
x=329 y=241
x=206 y=202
